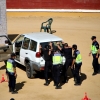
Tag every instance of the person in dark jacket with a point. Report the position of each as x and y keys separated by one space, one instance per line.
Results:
x=48 y=61
x=67 y=51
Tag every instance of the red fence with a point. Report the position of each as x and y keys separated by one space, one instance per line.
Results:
x=53 y=4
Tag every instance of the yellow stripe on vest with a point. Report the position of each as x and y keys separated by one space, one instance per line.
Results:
x=57 y=60
x=93 y=49
x=10 y=67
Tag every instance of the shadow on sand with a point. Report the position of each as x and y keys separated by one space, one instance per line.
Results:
x=20 y=85
x=3 y=67
x=82 y=77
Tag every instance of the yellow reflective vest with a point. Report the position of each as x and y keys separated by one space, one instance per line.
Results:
x=57 y=59
x=9 y=66
x=93 y=49
x=78 y=58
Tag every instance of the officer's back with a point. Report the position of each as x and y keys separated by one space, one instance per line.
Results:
x=67 y=51
x=57 y=62
x=46 y=55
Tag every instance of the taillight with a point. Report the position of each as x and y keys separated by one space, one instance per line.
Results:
x=38 y=55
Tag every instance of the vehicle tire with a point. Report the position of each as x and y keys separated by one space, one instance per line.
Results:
x=29 y=71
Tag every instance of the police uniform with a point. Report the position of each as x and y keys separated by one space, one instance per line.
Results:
x=68 y=55
x=78 y=64
x=94 y=50
x=11 y=74
x=57 y=62
x=48 y=63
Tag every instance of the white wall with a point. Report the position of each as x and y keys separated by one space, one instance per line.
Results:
x=3 y=20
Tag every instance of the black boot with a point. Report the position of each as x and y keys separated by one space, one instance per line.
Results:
x=58 y=87
x=14 y=92
x=46 y=83
x=94 y=73
x=76 y=84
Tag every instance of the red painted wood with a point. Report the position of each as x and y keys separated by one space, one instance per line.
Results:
x=13 y=3
x=53 y=4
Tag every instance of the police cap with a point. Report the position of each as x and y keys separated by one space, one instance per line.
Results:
x=74 y=46
x=13 y=55
x=93 y=37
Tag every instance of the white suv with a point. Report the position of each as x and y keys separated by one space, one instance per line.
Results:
x=26 y=47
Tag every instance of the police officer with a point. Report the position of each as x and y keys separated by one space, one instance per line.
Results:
x=57 y=63
x=48 y=61
x=67 y=51
x=77 y=61
x=94 y=50
x=11 y=70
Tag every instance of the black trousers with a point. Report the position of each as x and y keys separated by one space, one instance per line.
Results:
x=48 y=67
x=95 y=63
x=73 y=72
x=12 y=81
x=56 y=74
x=77 y=68
x=65 y=67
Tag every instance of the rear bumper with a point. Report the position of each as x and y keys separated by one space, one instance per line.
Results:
x=37 y=66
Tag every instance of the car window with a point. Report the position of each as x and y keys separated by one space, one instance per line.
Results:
x=33 y=45
x=21 y=38
x=43 y=44
x=18 y=42
x=26 y=43
x=54 y=43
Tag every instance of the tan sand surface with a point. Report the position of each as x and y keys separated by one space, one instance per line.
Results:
x=74 y=29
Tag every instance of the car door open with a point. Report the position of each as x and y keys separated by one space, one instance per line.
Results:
x=5 y=45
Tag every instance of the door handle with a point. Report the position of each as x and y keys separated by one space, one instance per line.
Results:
x=26 y=53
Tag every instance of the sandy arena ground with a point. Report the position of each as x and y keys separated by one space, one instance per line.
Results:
x=74 y=29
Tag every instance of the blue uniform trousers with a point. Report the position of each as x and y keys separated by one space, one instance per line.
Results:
x=77 y=68
x=56 y=74
x=12 y=81
x=95 y=63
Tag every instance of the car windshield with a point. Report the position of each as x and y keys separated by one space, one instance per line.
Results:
x=54 y=43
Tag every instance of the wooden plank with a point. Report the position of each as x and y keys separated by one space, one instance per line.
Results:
x=53 y=4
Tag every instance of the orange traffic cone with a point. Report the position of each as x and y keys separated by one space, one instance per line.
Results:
x=3 y=79
x=86 y=97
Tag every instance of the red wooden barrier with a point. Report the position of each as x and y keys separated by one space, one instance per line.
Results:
x=53 y=4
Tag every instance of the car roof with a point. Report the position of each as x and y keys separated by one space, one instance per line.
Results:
x=42 y=37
